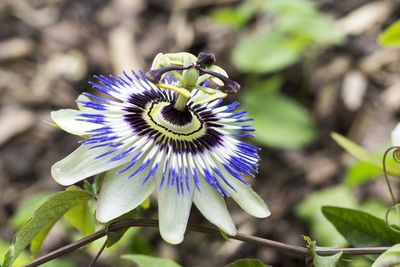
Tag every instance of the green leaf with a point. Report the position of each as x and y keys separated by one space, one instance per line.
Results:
x=81 y=217
x=360 y=228
x=247 y=263
x=398 y=209
x=378 y=209
x=266 y=52
x=390 y=258
x=49 y=212
x=361 y=154
x=279 y=121
x=150 y=261
x=95 y=187
x=391 y=36
x=310 y=209
x=22 y=259
x=39 y=238
x=322 y=261
x=327 y=261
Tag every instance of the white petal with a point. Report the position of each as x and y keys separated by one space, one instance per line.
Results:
x=173 y=212
x=119 y=195
x=81 y=164
x=66 y=120
x=212 y=205
x=244 y=196
x=83 y=97
x=396 y=135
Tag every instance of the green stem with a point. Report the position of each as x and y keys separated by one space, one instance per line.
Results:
x=208 y=230
x=385 y=171
x=180 y=103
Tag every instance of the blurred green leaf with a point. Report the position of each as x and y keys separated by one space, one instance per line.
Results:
x=150 y=261
x=391 y=36
x=355 y=261
x=266 y=52
x=58 y=263
x=279 y=121
x=297 y=25
x=234 y=17
x=360 y=228
x=398 y=209
x=271 y=85
x=317 y=29
x=27 y=208
x=361 y=172
x=139 y=244
x=361 y=154
x=390 y=258
x=291 y=7
x=49 y=212
x=81 y=218
x=22 y=259
x=354 y=149
x=247 y=263
x=310 y=210
x=301 y=19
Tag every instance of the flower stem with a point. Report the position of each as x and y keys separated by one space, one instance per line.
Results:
x=208 y=230
x=180 y=103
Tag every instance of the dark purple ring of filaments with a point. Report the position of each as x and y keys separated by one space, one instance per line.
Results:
x=105 y=136
x=207 y=141
x=135 y=119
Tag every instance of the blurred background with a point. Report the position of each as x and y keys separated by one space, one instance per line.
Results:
x=306 y=68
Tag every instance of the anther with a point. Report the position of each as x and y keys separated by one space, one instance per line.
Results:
x=230 y=86
x=205 y=59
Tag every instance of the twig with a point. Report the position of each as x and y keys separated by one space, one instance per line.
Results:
x=91 y=264
x=208 y=230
